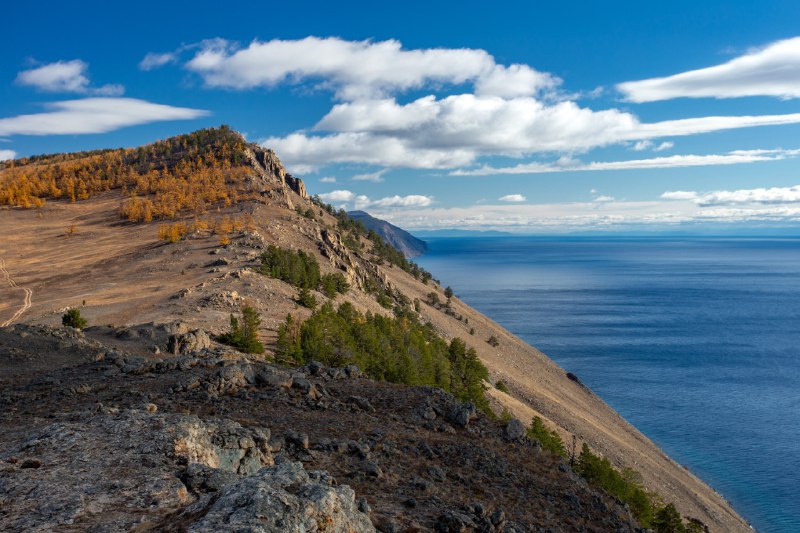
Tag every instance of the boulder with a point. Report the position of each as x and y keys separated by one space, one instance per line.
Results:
x=514 y=430
x=187 y=343
x=283 y=498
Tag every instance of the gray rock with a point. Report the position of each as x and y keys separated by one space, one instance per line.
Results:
x=283 y=498
x=188 y=343
x=297 y=439
x=119 y=464
x=464 y=414
x=454 y=522
x=514 y=430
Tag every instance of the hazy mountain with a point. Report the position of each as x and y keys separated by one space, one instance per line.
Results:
x=409 y=245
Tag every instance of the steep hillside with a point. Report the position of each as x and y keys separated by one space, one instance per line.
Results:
x=82 y=237
x=406 y=243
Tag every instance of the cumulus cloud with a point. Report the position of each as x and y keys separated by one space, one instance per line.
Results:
x=359 y=69
x=5 y=155
x=374 y=177
x=65 y=77
x=773 y=70
x=675 y=161
x=93 y=115
x=456 y=130
x=760 y=196
x=362 y=202
x=155 y=60
x=512 y=198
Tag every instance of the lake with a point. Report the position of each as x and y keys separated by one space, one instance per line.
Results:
x=695 y=341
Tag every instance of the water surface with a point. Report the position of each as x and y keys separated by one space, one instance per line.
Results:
x=696 y=341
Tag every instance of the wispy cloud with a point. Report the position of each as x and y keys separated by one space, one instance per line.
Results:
x=769 y=71
x=65 y=77
x=5 y=155
x=641 y=146
x=328 y=179
x=512 y=198
x=94 y=115
x=761 y=196
x=374 y=177
x=155 y=60
x=674 y=161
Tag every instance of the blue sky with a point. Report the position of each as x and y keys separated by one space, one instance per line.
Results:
x=527 y=117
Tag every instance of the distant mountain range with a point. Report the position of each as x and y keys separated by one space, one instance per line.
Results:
x=406 y=243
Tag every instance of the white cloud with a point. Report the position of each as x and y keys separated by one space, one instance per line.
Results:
x=576 y=216
x=93 y=115
x=154 y=60
x=602 y=199
x=773 y=70
x=328 y=179
x=759 y=196
x=666 y=145
x=359 y=69
x=512 y=198
x=514 y=81
x=310 y=151
x=673 y=161
x=679 y=195
x=338 y=196
x=412 y=200
x=457 y=130
x=363 y=202
x=374 y=177
x=5 y=155
x=65 y=77
x=640 y=146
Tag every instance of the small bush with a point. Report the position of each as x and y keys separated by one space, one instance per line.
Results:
x=472 y=331
x=501 y=386
x=493 y=341
x=333 y=284
x=549 y=439
x=306 y=299
x=244 y=336
x=73 y=319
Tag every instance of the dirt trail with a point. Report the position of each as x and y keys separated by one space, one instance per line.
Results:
x=26 y=303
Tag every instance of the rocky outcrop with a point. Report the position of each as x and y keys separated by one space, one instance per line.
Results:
x=119 y=465
x=270 y=167
x=297 y=185
x=188 y=343
x=284 y=498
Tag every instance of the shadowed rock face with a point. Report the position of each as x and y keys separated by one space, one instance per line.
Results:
x=406 y=243
x=94 y=438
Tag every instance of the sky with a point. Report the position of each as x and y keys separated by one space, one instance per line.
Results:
x=528 y=117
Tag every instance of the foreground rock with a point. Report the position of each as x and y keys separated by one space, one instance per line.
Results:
x=95 y=439
x=284 y=498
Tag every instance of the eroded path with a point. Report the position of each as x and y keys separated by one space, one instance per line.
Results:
x=26 y=303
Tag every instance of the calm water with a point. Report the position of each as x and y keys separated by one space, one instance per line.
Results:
x=695 y=341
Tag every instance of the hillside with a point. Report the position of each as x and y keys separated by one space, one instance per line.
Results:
x=406 y=243
x=167 y=241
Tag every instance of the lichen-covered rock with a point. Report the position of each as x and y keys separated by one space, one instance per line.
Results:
x=186 y=343
x=514 y=430
x=285 y=499
x=109 y=471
